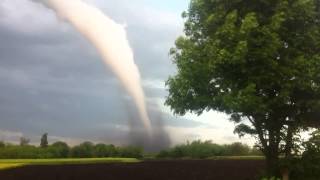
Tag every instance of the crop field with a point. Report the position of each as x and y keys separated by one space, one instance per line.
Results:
x=229 y=168
x=13 y=163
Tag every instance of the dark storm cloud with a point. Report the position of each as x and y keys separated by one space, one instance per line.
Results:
x=52 y=52
x=52 y=80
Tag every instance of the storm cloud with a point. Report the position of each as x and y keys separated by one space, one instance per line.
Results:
x=52 y=80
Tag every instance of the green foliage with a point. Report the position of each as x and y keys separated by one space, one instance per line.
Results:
x=130 y=152
x=307 y=167
x=103 y=150
x=62 y=150
x=2 y=144
x=23 y=152
x=84 y=150
x=44 y=140
x=237 y=149
x=247 y=58
x=258 y=61
x=24 y=141
x=199 y=149
x=256 y=151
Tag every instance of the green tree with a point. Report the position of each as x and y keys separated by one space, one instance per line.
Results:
x=205 y=149
x=307 y=166
x=84 y=150
x=24 y=141
x=238 y=149
x=255 y=151
x=100 y=150
x=60 y=149
x=44 y=140
x=258 y=61
x=103 y=150
x=2 y=144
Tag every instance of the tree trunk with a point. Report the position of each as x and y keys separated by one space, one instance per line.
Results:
x=270 y=147
x=285 y=174
x=289 y=142
x=272 y=162
x=272 y=154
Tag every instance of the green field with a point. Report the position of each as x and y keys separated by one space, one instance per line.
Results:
x=12 y=163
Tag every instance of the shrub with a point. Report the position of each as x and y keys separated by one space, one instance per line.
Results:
x=237 y=149
x=84 y=150
x=59 y=149
x=24 y=152
x=308 y=166
x=130 y=152
x=103 y=150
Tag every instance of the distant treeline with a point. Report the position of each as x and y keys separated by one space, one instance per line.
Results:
x=195 y=149
x=62 y=150
x=205 y=149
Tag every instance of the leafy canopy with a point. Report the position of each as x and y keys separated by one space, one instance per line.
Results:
x=258 y=60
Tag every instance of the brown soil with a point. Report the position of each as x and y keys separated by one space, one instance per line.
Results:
x=149 y=170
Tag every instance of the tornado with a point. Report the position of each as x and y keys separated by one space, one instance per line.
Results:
x=110 y=40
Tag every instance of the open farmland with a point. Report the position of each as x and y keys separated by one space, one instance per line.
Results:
x=13 y=163
x=223 y=169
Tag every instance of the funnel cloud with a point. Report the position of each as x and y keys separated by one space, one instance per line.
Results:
x=110 y=39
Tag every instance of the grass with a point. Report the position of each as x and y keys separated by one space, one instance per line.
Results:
x=13 y=163
x=4 y=166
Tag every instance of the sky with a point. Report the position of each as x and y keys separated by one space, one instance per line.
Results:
x=53 y=80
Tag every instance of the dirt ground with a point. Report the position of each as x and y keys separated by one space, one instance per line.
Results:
x=148 y=170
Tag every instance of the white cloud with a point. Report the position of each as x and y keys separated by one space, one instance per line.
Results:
x=10 y=136
x=27 y=17
x=145 y=14
x=153 y=83
x=218 y=135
